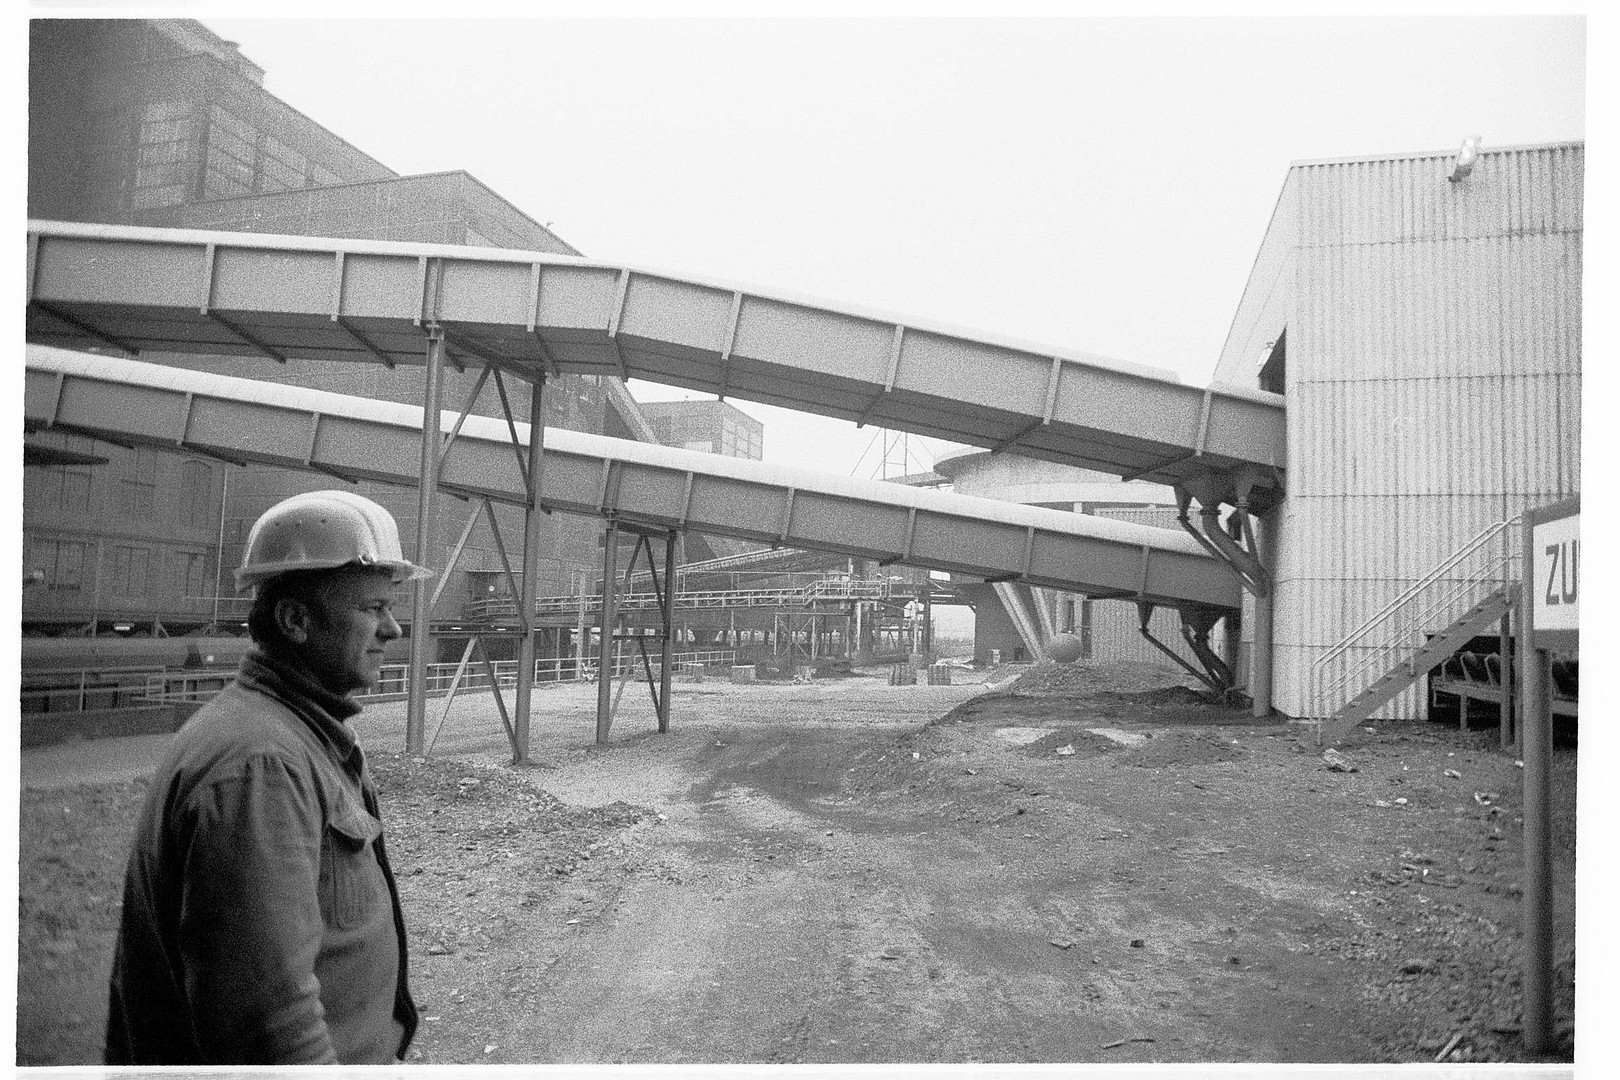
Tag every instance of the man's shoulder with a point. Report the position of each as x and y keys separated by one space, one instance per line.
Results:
x=240 y=725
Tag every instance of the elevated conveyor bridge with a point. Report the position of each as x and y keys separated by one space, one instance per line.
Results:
x=174 y=290
x=636 y=484
x=530 y=315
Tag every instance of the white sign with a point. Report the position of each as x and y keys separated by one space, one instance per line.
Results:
x=1555 y=583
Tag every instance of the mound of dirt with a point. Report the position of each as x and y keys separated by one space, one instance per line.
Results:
x=1161 y=698
x=1183 y=748
x=1085 y=676
x=1082 y=742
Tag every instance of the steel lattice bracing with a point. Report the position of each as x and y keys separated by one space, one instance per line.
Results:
x=244 y=294
x=634 y=483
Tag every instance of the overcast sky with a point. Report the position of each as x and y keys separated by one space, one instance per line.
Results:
x=1095 y=185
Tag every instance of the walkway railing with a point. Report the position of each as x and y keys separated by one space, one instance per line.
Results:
x=1488 y=562
x=824 y=590
x=70 y=690
x=178 y=687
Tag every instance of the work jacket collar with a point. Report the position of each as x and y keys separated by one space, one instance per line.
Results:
x=324 y=711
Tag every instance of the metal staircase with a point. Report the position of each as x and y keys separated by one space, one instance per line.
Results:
x=1417 y=631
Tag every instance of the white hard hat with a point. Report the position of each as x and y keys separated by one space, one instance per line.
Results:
x=322 y=530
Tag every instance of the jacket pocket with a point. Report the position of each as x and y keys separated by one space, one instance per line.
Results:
x=351 y=879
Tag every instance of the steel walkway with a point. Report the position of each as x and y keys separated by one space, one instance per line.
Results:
x=138 y=289
x=240 y=420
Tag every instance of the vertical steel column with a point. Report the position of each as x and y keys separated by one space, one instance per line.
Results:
x=582 y=634
x=1233 y=627
x=604 y=654
x=1505 y=733
x=666 y=672
x=219 y=558
x=523 y=695
x=1264 y=606
x=1536 y=731
x=927 y=618
x=427 y=487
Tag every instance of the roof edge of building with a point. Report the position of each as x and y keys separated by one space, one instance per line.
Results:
x=1416 y=155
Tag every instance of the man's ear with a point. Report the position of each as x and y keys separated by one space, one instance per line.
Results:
x=293 y=618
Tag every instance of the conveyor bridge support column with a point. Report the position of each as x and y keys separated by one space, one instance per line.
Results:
x=1253 y=494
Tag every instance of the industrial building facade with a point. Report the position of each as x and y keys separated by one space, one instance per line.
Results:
x=160 y=122
x=713 y=427
x=1425 y=329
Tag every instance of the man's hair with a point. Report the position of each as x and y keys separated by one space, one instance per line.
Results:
x=303 y=586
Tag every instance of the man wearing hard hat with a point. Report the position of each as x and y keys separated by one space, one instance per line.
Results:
x=261 y=924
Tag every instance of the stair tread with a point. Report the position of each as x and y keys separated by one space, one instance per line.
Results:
x=1421 y=659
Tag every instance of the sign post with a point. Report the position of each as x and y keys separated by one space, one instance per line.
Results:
x=1551 y=623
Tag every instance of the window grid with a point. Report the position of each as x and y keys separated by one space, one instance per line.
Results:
x=63 y=563
x=130 y=567
x=194 y=576
x=196 y=492
x=137 y=488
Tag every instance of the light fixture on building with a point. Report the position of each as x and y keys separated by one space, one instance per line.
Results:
x=1466 y=157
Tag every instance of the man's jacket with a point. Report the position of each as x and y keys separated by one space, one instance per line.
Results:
x=261 y=924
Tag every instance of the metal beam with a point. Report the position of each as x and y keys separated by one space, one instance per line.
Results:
x=604 y=653
x=252 y=339
x=667 y=669
x=523 y=695
x=455 y=554
x=466 y=411
x=427 y=487
x=84 y=327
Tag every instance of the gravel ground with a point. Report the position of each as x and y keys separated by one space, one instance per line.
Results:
x=1090 y=865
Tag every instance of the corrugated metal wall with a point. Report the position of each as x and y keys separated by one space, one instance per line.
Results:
x=1433 y=374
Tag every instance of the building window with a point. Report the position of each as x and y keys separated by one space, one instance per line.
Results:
x=63 y=487
x=137 y=488
x=196 y=493
x=63 y=564
x=130 y=568
x=194 y=576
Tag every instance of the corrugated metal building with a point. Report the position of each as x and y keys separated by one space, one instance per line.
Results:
x=1425 y=331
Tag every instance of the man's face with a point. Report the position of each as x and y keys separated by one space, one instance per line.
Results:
x=350 y=621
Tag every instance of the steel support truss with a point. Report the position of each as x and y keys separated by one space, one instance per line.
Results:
x=1252 y=493
x=1196 y=624
x=531 y=461
x=612 y=633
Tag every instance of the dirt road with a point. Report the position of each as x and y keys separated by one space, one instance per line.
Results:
x=1109 y=871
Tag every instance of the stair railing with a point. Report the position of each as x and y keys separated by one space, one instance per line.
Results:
x=1489 y=560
